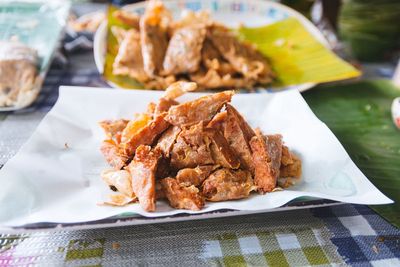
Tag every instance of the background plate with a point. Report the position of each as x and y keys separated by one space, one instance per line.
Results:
x=230 y=12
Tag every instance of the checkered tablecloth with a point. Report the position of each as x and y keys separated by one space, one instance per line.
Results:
x=337 y=235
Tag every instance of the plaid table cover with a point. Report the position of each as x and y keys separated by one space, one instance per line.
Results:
x=338 y=235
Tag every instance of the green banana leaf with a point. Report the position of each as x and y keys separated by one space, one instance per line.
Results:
x=295 y=55
x=359 y=114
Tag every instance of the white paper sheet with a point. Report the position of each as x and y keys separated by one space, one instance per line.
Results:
x=48 y=181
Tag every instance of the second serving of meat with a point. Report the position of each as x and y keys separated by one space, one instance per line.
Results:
x=157 y=51
x=192 y=152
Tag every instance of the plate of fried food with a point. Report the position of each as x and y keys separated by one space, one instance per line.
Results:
x=104 y=158
x=219 y=45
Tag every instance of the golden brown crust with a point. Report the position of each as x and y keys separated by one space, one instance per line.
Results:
x=192 y=148
x=113 y=154
x=292 y=169
x=221 y=151
x=167 y=140
x=143 y=169
x=182 y=197
x=113 y=128
x=215 y=155
x=184 y=50
x=226 y=184
x=194 y=176
x=153 y=38
x=146 y=135
x=266 y=158
x=201 y=109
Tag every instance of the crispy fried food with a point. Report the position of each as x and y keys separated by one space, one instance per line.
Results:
x=120 y=180
x=128 y=18
x=113 y=128
x=243 y=57
x=227 y=184
x=182 y=197
x=274 y=145
x=167 y=140
x=194 y=48
x=119 y=200
x=218 y=122
x=238 y=133
x=178 y=89
x=184 y=50
x=134 y=126
x=201 y=109
x=211 y=79
x=113 y=154
x=194 y=176
x=163 y=105
x=290 y=168
x=129 y=60
x=192 y=148
x=266 y=157
x=221 y=151
x=154 y=37
x=146 y=135
x=192 y=152
x=143 y=169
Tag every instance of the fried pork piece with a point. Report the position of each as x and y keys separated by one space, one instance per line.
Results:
x=212 y=59
x=146 y=135
x=164 y=105
x=267 y=154
x=182 y=197
x=129 y=60
x=119 y=180
x=134 y=126
x=154 y=37
x=201 y=109
x=118 y=200
x=143 y=169
x=291 y=164
x=211 y=79
x=218 y=122
x=178 y=89
x=221 y=151
x=226 y=184
x=243 y=57
x=159 y=83
x=192 y=148
x=113 y=154
x=194 y=176
x=238 y=133
x=167 y=140
x=113 y=128
x=128 y=18
x=184 y=50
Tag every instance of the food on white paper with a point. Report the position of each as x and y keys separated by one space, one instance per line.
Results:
x=157 y=51
x=192 y=152
x=18 y=74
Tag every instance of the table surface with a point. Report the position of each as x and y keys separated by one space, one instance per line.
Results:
x=341 y=235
